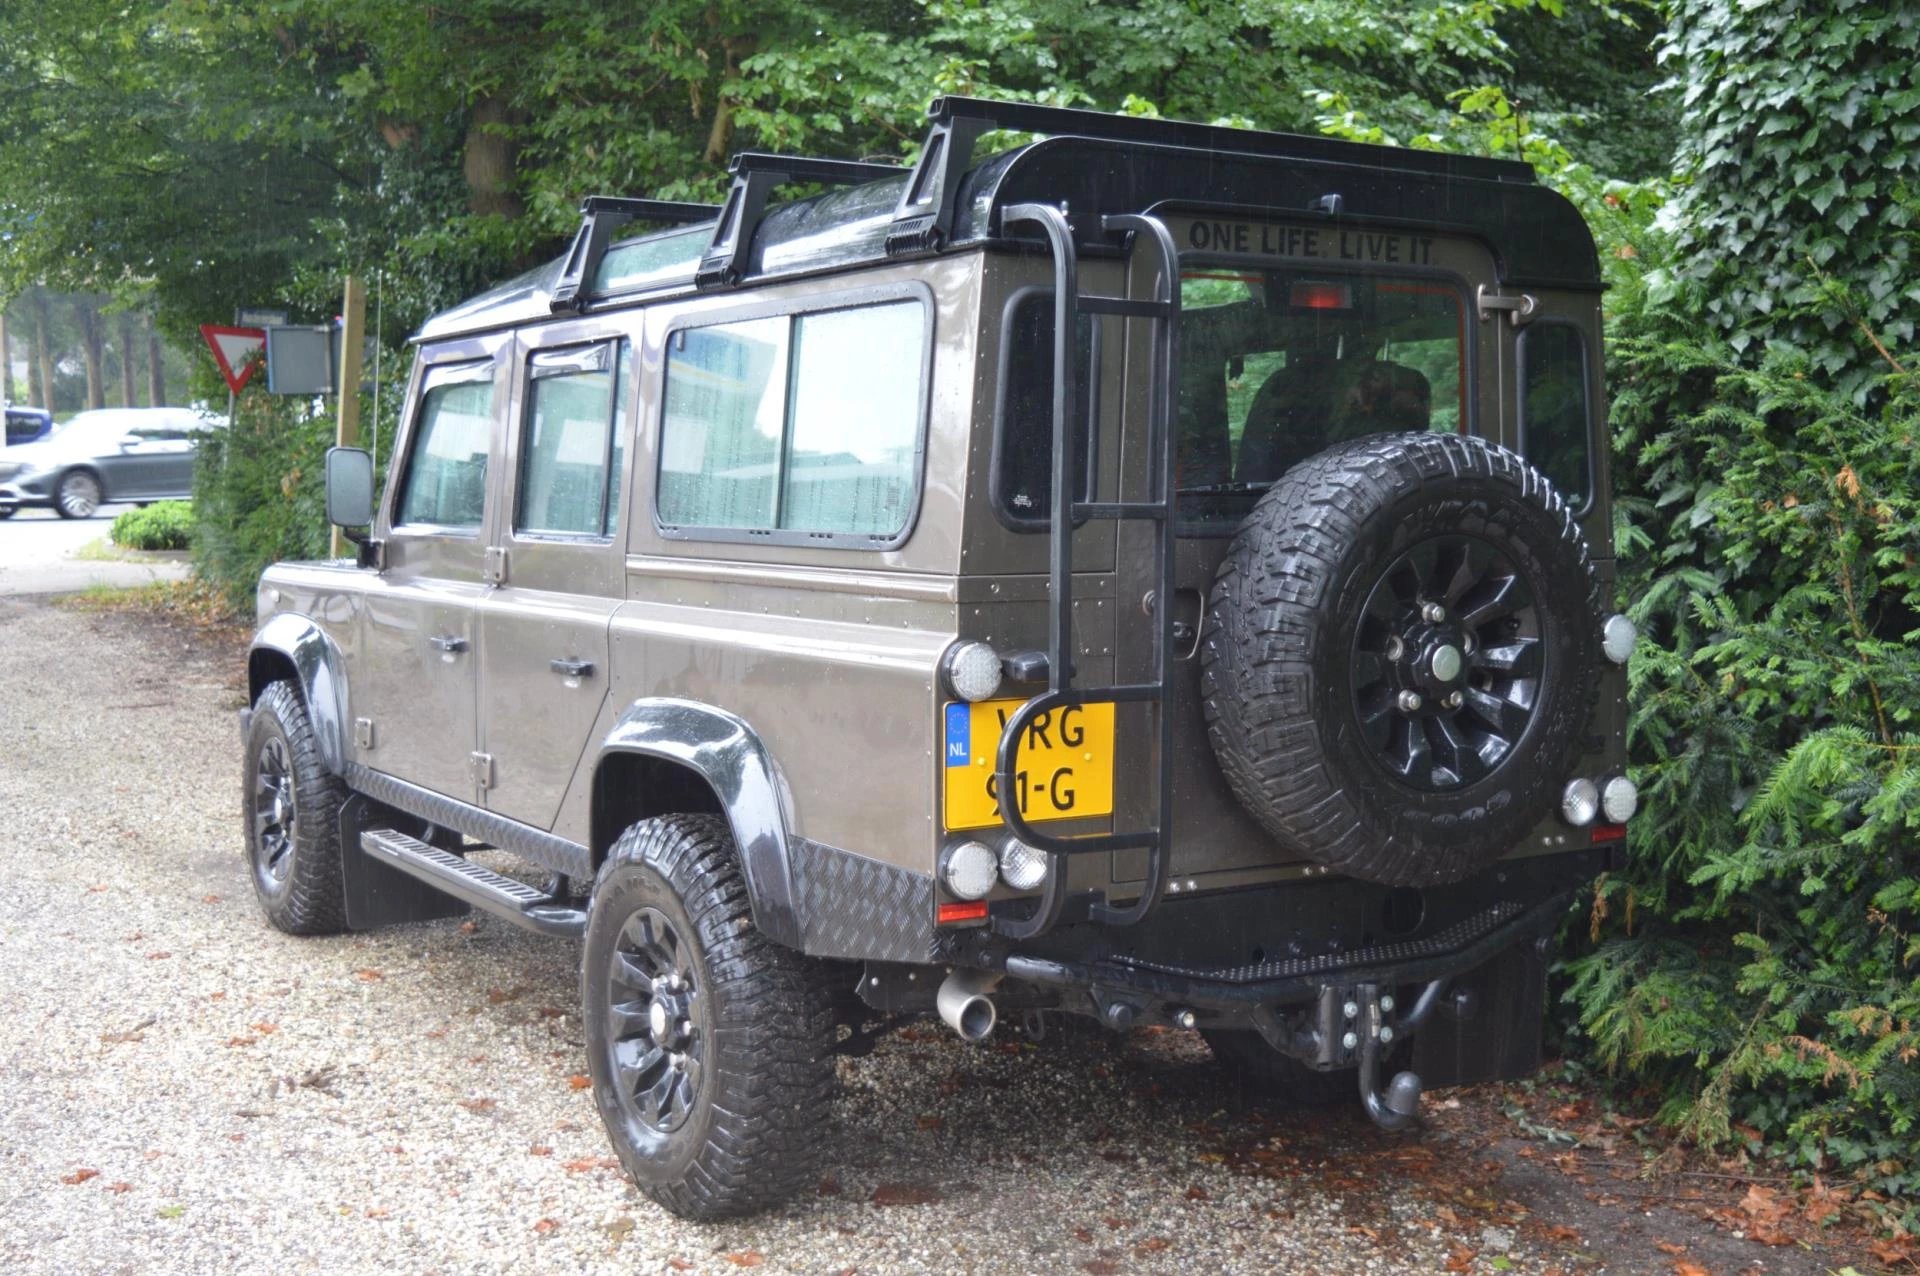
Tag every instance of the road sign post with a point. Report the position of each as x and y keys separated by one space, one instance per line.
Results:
x=353 y=336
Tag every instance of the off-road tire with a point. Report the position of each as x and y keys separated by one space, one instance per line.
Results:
x=78 y=494
x=300 y=889
x=1283 y=665
x=1245 y=1056
x=761 y=1015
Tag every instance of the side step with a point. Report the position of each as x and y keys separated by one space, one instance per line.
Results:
x=519 y=903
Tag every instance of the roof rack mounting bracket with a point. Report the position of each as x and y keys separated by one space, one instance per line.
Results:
x=923 y=221
x=600 y=217
x=755 y=175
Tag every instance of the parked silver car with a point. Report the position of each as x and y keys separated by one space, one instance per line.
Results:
x=107 y=455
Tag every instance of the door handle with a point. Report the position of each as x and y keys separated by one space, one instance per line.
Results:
x=572 y=668
x=448 y=643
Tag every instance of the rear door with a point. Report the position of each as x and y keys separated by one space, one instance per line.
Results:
x=1323 y=337
x=543 y=629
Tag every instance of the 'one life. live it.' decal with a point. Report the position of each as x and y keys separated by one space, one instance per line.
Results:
x=1312 y=243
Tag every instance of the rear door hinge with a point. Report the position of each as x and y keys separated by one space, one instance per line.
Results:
x=493 y=565
x=482 y=766
x=363 y=733
x=1519 y=308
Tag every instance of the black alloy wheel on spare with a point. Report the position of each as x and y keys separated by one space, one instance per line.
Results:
x=292 y=809
x=1401 y=656
x=77 y=495
x=709 y=1046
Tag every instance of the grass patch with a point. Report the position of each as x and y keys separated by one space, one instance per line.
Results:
x=189 y=602
x=105 y=551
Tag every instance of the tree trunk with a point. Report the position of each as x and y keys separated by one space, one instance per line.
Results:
x=490 y=159
x=129 y=397
x=93 y=340
x=42 y=352
x=156 y=366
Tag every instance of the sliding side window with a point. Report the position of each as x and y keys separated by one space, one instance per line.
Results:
x=797 y=428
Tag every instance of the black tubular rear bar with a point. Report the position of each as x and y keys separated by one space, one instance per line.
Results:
x=1158 y=508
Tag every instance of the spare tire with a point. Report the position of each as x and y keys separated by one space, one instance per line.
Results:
x=1401 y=656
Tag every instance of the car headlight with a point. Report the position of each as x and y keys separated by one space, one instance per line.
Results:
x=1580 y=802
x=969 y=869
x=1617 y=637
x=1619 y=799
x=1022 y=867
x=973 y=670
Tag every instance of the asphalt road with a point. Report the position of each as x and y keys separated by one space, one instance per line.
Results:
x=185 y=1090
x=40 y=554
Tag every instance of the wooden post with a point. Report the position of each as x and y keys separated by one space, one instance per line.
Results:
x=353 y=336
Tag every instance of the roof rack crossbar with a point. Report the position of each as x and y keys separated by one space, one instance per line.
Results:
x=923 y=220
x=755 y=174
x=600 y=217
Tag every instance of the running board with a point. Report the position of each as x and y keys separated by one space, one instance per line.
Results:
x=519 y=903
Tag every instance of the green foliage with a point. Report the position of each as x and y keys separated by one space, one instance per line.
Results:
x=258 y=493
x=1757 y=958
x=163 y=525
x=1800 y=129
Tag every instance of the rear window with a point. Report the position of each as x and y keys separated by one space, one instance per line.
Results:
x=1274 y=366
x=1555 y=421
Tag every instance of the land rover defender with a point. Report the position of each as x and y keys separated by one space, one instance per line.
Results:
x=1152 y=572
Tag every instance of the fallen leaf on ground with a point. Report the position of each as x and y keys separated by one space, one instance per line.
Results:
x=1100 y=1267
x=905 y=1194
x=540 y=1149
x=265 y=1029
x=1684 y=1268
x=586 y=1163
x=546 y=1227
x=479 y=1105
x=79 y=1176
x=930 y=1122
x=580 y=1081
x=367 y=975
x=680 y=1264
x=746 y=1258
x=1668 y=1247
x=119 y=1189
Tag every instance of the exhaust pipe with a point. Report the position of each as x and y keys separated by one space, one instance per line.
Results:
x=963 y=1001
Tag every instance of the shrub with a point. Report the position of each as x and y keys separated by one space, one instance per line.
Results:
x=165 y=525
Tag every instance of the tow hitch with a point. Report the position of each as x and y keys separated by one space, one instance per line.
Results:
x=1358 y=1021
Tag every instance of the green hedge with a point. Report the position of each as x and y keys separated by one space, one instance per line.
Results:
x=166 y=525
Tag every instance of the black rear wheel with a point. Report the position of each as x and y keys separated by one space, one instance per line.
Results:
x=709 y=1045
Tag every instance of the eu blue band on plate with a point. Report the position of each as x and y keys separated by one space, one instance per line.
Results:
x=959 y=736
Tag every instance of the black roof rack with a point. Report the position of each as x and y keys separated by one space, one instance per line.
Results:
x=600 y=217
x=755 y=174
x=923 y=220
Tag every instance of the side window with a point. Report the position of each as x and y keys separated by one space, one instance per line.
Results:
x=446 y=474
x=808 y=424
x=573 y=441
x=1023 y=435
x=1555 y=420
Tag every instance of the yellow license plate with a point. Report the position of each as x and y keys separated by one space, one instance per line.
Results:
x=1065 y=762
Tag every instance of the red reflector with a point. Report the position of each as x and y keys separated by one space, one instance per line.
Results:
x=1609 y=832
x=971 y=911
x=1321 y=296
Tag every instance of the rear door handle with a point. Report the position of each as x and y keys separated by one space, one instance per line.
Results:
x=447 y=642
x=572 y=668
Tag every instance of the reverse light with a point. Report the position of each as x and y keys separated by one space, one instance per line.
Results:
x=1022 y=867
x=1579 y=802
x=1619 y=799
x=973 y=670
x=1617 y=637
x=969 y=869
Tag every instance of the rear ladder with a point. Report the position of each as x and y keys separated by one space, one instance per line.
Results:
x=1163 y=312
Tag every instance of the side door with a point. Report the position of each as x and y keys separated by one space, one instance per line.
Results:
x=543 y=629
x=414 y=682
x=157 y=460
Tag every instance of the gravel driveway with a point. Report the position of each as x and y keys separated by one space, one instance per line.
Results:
x=183 y=1089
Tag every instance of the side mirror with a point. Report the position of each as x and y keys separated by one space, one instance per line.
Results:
x=349 y=487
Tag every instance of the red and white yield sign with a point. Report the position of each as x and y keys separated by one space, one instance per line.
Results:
x=234 y=350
